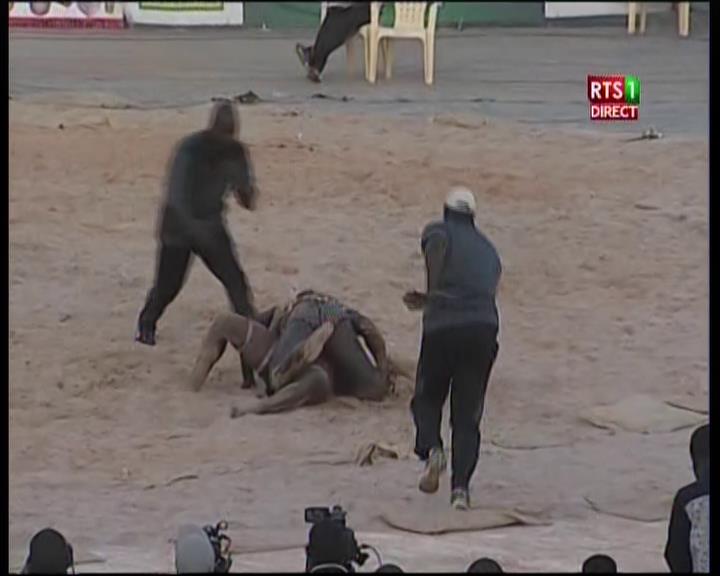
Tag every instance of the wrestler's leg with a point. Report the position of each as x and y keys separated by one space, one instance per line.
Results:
x=231 y=328
x=313 y=387
x=355 y=374
x=304 y=354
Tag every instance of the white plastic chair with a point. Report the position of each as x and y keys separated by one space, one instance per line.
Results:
x=409 y=25
x=635 y=8
x=364 y=34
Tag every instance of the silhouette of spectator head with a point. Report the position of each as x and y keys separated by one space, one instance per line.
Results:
x=49 y=553
x=485 y=566
x=224 y=118
x=194 y=552
x=599 y=564
x=389 y=568
x=700 y=450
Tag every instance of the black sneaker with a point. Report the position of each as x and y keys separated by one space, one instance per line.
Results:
x=313 y=75
x=145 y=335
x=460 y=499
x=303 y=55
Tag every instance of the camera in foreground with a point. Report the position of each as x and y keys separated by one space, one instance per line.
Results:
x=331 y=544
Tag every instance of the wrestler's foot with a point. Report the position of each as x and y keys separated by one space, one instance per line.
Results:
x=145 y=335
x=460 y=499
x=303 y=55
x=304 y=355
x=237 y=412
x=434 y=467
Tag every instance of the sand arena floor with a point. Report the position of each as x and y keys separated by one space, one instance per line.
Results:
x=605 y=294
x=599 y=298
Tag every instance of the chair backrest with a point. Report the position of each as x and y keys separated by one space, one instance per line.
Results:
x=410 y=14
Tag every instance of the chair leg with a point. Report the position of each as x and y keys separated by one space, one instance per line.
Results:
x=632 y=15
x=684 y=18
x=350 y=53
x=643 y=17
x=429 y=49
x=372 y=58
x=388 y=57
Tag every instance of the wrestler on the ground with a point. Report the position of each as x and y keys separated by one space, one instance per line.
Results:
x=304 y=352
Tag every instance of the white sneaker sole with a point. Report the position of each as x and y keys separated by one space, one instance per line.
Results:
x=460 y=505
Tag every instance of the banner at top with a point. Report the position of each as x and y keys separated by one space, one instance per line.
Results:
x=60 y=14
x=184 y=13
x=180 y=6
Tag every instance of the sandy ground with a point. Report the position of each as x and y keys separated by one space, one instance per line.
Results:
x=601 y=297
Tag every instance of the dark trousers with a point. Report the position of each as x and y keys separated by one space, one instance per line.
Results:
x=339 y=25
x=173 y=263
x=456 y=360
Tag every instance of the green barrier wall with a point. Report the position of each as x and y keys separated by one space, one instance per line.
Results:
x=278 y=15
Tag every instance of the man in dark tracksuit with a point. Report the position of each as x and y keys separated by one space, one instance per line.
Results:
x=204 y=166
x=342 y=21
x=688 y=544
x=459 y=343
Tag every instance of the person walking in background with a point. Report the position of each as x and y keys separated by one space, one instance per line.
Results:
x=342 y=22
x=459 y=342
x=688 y=543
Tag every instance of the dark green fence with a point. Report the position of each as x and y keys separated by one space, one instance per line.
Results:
x=307 y=14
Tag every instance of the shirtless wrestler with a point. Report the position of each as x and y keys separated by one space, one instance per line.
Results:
x=304 y=353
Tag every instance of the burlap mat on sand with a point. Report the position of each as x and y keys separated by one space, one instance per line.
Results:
x=533 y=436
x=418 y=521
x=642 y=414
x=699 y=404
x=643 y=503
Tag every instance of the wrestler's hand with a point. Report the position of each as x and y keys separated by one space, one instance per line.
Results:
x=237 y=412
x=415 y=300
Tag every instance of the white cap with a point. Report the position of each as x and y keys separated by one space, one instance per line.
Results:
x=460 y=199
x=193 y=552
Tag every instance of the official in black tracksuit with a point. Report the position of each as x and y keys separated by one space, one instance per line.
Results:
x=688 y=543
x=205 y=165
x=459 y=342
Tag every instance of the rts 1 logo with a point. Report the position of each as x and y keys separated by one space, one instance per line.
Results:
x=613 y=97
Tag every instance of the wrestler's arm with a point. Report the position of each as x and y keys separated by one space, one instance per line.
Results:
x=241 y=176
x=369 y=332
x=265 y=317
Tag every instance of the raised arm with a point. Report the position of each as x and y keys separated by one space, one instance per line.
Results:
x=369 y=332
